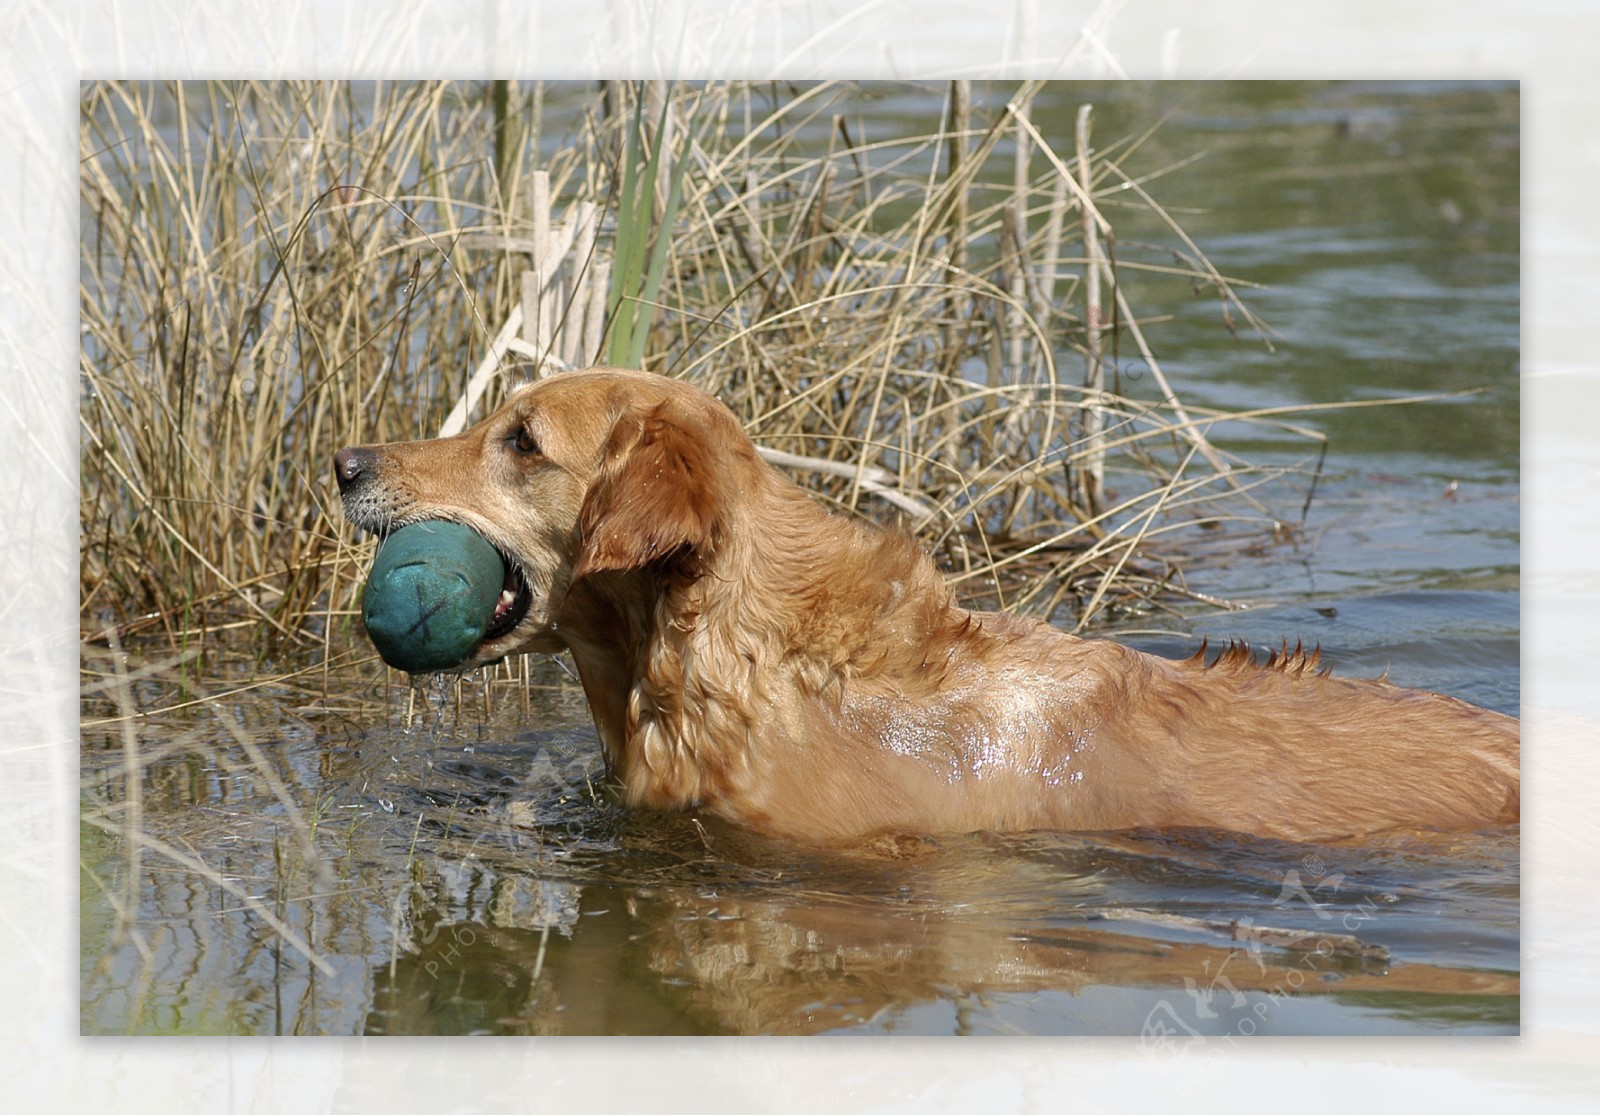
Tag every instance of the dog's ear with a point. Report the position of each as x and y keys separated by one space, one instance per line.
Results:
x=657 y=499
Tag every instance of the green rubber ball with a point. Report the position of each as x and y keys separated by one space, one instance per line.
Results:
x=431 y=594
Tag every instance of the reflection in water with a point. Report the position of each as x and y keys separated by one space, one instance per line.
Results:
x=680 y=960
x=486 y=888
x=674 y=926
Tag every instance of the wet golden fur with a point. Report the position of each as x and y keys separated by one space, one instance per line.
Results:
x=746 y=653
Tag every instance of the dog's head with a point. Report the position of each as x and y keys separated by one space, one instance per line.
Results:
x=574 y=477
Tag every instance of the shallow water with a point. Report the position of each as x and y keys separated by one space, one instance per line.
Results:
x=460 y=874
x=462 y=877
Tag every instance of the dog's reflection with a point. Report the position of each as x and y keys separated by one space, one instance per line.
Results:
x=684 y=959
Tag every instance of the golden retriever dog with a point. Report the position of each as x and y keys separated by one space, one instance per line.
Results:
x=749 y=654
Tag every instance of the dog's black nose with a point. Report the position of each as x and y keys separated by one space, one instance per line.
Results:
x=349 y=463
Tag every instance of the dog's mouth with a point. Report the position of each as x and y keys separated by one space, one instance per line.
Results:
x=509 y=610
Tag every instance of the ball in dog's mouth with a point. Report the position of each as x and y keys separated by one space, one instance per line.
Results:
x=438 y=590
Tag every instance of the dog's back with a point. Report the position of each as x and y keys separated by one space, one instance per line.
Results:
x=1027 y=728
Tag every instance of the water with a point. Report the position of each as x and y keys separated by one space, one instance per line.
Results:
x=457 y=874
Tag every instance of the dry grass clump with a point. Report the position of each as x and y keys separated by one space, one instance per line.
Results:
x=924 y=323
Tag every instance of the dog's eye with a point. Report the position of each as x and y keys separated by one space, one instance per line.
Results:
x=524 y=441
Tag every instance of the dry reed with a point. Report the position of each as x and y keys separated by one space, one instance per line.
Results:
x=902 y=318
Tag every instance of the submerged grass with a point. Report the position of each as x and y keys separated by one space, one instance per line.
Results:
x=903 y=321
